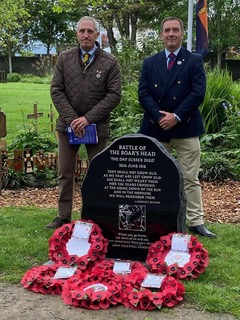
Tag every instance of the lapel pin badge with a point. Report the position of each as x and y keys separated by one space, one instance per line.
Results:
x=98 y=75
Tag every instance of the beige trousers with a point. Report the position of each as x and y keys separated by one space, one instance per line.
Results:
x=188 y=155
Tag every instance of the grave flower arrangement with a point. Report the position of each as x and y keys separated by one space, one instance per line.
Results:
x=95 y=290
x=182 y=265
x=132 y=293
x=94 y=241
x=41 y=279
x=131 y=276
x=170 y=292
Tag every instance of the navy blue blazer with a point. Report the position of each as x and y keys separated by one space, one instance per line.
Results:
x=181 y=91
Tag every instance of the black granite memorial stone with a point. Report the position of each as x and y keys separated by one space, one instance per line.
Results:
x=134 y=191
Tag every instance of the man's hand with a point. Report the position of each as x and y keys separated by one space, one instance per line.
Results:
x=78 y=126
x=167 y=121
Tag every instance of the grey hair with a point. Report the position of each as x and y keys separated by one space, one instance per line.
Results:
x=96 y=24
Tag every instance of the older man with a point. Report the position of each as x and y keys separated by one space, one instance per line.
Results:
x=86 y=87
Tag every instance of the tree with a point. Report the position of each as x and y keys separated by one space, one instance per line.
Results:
x=128 y=17
x=52 y=24
x=13 y=24
x=131 y=16
x=223 y=24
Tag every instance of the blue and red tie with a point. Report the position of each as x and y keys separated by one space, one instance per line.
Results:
x=171 y=60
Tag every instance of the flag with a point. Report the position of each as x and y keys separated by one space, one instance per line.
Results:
x=201 y=27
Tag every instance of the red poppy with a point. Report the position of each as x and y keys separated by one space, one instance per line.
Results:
x=82 y=263
x=104 y=304
x=145 y=303
x=101 y=255
x=169 y=300
x=167 y=240
x=134 y=297
x=93 y=254
x=154 y=259
x=116 y=297
x=157 y=299
x=99 y=295
x=97 y=245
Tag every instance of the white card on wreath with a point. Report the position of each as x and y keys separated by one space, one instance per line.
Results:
x=82 y=230
x=121 y=267
x=152 y=281
x=97 y=287
x=77 y=246
x=64 y=272
x=178 y=257
x=180 y=242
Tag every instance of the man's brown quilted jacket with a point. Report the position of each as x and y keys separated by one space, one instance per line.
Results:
x=91 y=92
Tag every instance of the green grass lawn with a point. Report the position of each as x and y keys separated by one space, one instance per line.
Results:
x=17 y=100
x=24 y=244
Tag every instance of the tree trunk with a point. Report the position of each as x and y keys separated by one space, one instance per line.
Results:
x=10 y=63
x=134 y=19
x=111 y=38
x=219 y=59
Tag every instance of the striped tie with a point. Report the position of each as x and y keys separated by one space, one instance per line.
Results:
x=85 y=59
x=171 y=60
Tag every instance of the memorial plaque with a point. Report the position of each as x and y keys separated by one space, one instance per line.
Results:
x=134 y=191
x=18 y=160
x=28 y=161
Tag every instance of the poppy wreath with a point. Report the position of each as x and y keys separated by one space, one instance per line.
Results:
x=58 y=251
x=132 y=295
x=41 y=280
x=170 y=294
x=93 y=290
x=158 y=251
x=131 y=279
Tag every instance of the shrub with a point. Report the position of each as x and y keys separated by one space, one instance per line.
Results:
x=35 y=79
x=219 y=90
x=33 y=140
x=13 y=77
x=215 y=167
x=46 y=178
x=16 y=180
x=125 y=119
x=231 y=126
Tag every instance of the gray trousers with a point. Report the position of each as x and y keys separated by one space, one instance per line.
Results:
x=66 y=166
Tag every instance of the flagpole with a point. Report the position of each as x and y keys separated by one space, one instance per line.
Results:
x=190 y=25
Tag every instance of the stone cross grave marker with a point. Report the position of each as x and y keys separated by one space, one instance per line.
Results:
x=134 y=191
